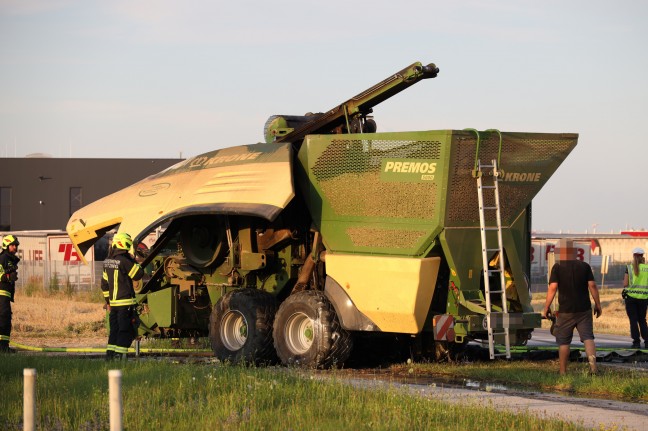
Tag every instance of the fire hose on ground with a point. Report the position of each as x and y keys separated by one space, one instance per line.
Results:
x=102 y=350
x=138 y=350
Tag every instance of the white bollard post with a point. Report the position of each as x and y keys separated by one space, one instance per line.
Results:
x=114 y=394
x=29 y=399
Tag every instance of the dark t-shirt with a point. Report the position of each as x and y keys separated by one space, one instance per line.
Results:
x=572 y=277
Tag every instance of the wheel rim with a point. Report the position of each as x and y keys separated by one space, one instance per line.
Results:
x=299 y=333
x=234 y=330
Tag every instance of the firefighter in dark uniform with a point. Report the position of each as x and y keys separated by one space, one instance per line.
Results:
x=120 y=271
x=8 y=276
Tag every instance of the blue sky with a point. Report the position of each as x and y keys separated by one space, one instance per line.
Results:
x=160 y=78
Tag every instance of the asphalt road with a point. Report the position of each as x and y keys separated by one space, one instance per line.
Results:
x=542 y=337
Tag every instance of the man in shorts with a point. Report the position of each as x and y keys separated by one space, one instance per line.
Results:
x=574 y=281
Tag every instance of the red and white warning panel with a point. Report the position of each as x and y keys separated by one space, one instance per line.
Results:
x=444 y=327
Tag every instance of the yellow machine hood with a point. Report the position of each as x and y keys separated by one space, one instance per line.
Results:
x=251 y=180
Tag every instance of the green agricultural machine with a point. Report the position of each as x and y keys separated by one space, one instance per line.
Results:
x=330 y=235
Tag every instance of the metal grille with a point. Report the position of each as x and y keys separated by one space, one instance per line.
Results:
x=348 y=172
x=462 y=202
x=521 y=152
x=376 y=237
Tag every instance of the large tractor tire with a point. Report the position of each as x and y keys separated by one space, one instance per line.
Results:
x=240 y=327
x=307 y=332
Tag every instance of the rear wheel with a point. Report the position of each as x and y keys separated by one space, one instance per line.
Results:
x=240 y=327
x=308 y=333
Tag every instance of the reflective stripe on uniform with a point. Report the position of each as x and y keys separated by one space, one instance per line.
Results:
x=105 y=293
x=105 y=276
x=110 y=347
x=637 y=292
x=115 y=284
x=638 y=287
x=119 y=349
x=5 y=293
x=121 y=302
x=4 y=338
x=136 y=267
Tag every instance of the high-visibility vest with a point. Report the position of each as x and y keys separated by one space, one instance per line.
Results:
x=638 y=284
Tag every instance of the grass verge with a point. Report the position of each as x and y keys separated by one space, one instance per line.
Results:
x=626 y=384
x=72 y=394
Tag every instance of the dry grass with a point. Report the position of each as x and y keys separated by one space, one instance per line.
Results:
x=57 y=321
x=613 y=320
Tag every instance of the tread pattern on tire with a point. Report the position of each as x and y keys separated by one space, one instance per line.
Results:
x=332 y=344
x=259 y=307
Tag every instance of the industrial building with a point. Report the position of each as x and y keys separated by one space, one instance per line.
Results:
x=41 y=193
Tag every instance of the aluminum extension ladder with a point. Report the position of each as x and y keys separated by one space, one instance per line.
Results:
x=503 y=322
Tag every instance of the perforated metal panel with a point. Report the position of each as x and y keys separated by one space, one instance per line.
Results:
x=462 y=186
x=384 y=238
x=534 y=157
x=362 y=206
x=348 y=173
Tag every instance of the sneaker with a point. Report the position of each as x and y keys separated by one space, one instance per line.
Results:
x=636 y=345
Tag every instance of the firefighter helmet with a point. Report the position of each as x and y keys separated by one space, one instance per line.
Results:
x=8 y=240
x=122 y=241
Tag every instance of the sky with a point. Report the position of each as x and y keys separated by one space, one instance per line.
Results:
x=169 y=79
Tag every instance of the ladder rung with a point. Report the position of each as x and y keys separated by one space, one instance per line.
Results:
x=492 y=332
